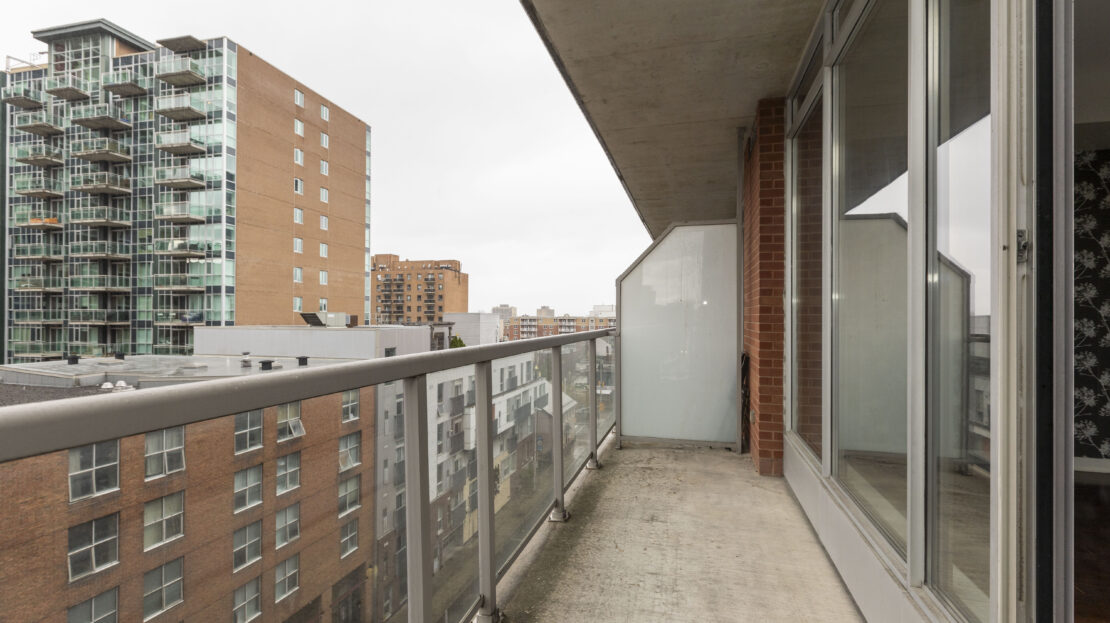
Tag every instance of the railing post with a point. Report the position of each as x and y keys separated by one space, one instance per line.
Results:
x=487 y=566
x=559 y=511
x=617 y=386
x=591 y=380
x=417 y=505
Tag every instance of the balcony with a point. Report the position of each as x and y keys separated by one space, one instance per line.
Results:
x=179 y=143
x=100 y=216
x=39 y=155
x=98 y=249
x=39 y=217
x=100 y=283
x=67 y=87
x=38 y=186
x=181 y=212
x=179 y=283
x=178 y=178
x=88 y=316
x=180 y=72
x=39 y=122
x=36 y=349
x=38 y=316
x=100 y=183
x=22 y=96
x=100 y=150
x=180 y=107
x=179 y=318
x=180 y=247
x=100 y=117
x=184 y=43
x=37 y=284
x=41 y=252
x=125 y=83
x=88 y=349
x=173 y=349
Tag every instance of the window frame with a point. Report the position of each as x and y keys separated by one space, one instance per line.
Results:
x=247 y=489
x=298 y=127
x=298 y=186
x=249 y=417
x=298 y=244
x=163 y=585
x=346 y=492
x=287 y=576
x=298 y=274
x=165 y=452
x=94 y=615
x=323 y=167
x=348 y=533
x=323 y=249
x=288 y=472
x=325 y=112
x=325 y=140
x=324 y=195
x=92 y=547
x=323 y=277
x=289 y=424
x=247 y=599
x=298 y=156
x=298 y=97
x=94 y=469
x=350 y=408
x=352 y=452
x=247 y=542
x=163 y=520
x=287 y=525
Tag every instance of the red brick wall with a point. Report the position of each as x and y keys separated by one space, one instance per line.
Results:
x=764 y=238
x=808 y=270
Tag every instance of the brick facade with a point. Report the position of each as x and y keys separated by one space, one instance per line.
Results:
x=764 y=266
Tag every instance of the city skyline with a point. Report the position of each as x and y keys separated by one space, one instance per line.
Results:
x=488 y=133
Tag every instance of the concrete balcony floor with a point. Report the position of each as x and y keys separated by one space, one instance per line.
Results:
x=677 y=535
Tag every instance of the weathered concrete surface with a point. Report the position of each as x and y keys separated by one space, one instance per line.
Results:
x=677 y=535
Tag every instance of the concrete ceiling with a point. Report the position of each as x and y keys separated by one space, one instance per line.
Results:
x=668 y=87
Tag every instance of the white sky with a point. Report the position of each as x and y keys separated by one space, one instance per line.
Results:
x=479 y=151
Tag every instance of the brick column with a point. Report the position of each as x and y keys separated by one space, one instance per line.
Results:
x=764 y=196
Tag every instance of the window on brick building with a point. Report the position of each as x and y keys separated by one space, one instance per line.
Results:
x=298 y=127
x=162 y=587
x=248 y=431
x=248 y=487
x=349 y=494
x=99 y=609
x=324 y=140
x=298 y=156
x=288 y=523
x=246 y=545
x=298 y=305
x=286 y=577
x=350 y=450
x=325 y=114
x=165 y=451
x=351 y=403
x=288 y=472
x=289 y=421
x=93 y=546
x=298 y=97
x=247 y=602
x=348 y=538
x=93 y=469
x=163 y=519
x=323 y=277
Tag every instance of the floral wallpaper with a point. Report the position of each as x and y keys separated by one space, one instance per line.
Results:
x=1092 y=304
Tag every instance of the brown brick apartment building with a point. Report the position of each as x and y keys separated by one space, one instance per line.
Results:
x=416 y=291
x=158 y=187
x=541 y=325
x=217 y=522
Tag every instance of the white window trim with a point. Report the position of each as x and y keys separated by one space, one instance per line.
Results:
x=298 y=156
x=278 y=526
x=287 y=472
x=249 y=428
x=358 y=494
x=346 y=452
x=292 y=421
x=162 y=588
x=92 y=546
x=295 y=558
x=92 y=470
x=247 y=488
x=147 y=548
x=298 y=127
x=164 y=451
x=343 y=540
x=246 y=546
x=248 y=598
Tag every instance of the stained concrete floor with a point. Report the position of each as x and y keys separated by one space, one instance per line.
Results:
x=677 y=535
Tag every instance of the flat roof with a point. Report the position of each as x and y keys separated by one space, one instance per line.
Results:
x=11 y=394
x=92 y=26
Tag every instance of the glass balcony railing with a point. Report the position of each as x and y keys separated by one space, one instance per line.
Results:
x=97 y=248
x=194 y=317
x=40 y=122
x=180 y=178
x=179 y=282
x=399 y=528
x=38 y=251
x=180 y=71
x=181 y=212
x=39 y=155
x=38 y=186
x=126 y=83
x=100 y=150
x=100 y=183
x=101 y=216
x=22 y=96
x=181 y=106
x=99 y=282
x=38 y=316
x=184 y=248
x=100 y=117
x=180 y=143
x=45 y=217
x=36 y=283
x=67 y=87
x=36 y=348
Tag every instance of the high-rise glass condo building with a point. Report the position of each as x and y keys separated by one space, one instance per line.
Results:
x=154 y=188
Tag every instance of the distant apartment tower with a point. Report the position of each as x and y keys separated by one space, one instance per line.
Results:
x=545 y=312
x=540 y=325
x=504 y=312
x=416 y=291
x=154 y=188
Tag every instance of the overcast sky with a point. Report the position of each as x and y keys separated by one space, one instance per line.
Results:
x=479 y=151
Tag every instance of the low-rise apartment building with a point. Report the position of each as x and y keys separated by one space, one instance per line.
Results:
x=416 y=291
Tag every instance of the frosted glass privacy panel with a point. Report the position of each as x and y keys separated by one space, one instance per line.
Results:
x=678 y=338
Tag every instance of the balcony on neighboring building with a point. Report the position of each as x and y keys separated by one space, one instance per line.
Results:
x=98 y=249
x=100 y=149
x=43 y=216
x=39 y=155
x=179 y=178
x=179 y=143
x=38 y=186
x=100 y=283
x=183 y=247
x=100 y=117
x=38 y=316
x=183 y=44
x=179 y=318
x=88 y=349
x=39 y=122
x=125 y=83
x=36 y=349
x=45 y=252
x=173 y=349
x=37 y=283
x=22 y=96
x=100 y=216
x=100 y=183
x=179 y=283
x=67 y=87
x=180 y=212
x=180 y=72
x=181 y=106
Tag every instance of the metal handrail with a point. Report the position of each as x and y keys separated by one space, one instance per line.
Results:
x=41 y=427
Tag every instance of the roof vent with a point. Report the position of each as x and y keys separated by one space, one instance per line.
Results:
x=106 y=385
x=302 y=360
x=245 y=362
x=72 y=360
x=266 y=364
x=119 y=356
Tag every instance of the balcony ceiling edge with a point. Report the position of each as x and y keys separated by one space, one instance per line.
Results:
x=665 y=89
